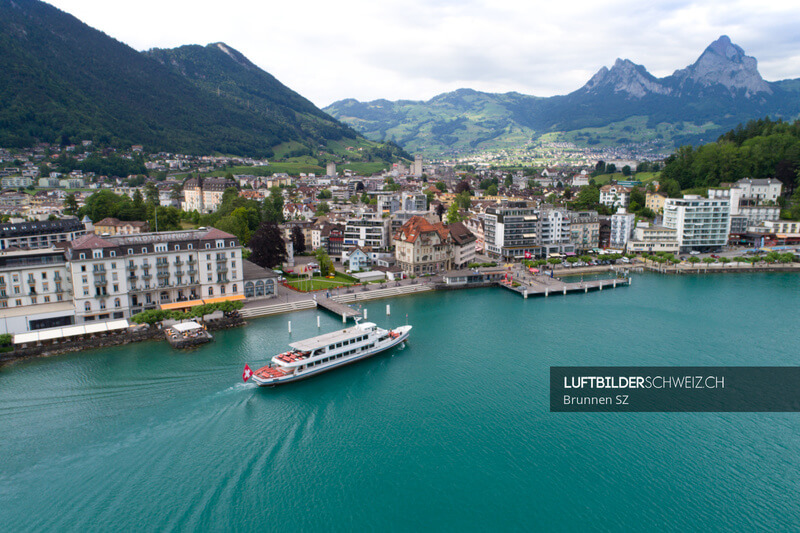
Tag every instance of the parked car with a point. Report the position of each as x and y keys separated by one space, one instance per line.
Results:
x=715 y=256
x=694 y=252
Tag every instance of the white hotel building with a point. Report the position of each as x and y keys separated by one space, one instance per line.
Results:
x=118 y=276
x=702 y=224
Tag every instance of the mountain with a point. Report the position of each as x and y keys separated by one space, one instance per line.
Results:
x=63 y=81
x=620 y=105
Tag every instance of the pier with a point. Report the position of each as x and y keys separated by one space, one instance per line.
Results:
x=343 y=310
x=546 y=286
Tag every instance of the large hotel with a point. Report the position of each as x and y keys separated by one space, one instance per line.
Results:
x=98 y=278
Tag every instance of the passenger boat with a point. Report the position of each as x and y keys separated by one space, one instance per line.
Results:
x=332 y=350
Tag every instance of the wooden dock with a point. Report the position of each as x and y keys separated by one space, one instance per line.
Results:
x=546 y=286
x=343 y=310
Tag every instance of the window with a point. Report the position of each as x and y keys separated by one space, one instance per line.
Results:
x=208 y=258
x=211 y=291
x=112 y=253
x=97 y=254
x=234 y=287
x=82 y=256
x=44 y=275
x=191 y=246
x=144 y=250
x=87 y=306
x=130 y=252
x=222 y=289
x=208 y=245
x=233 y=254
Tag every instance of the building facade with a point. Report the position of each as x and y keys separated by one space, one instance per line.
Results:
x=35 y=290
x=615 y=196
x=702 y=224
x=510 y=231
x=423 y=248
x=369 y=229
x=653 y=239
x=584 y=230
x=621 y=228
x=119 y=276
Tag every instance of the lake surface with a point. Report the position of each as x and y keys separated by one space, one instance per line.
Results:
x=451 y=433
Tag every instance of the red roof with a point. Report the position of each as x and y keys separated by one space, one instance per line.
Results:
x=90 y=241
x=215 y=233
x=416 y=226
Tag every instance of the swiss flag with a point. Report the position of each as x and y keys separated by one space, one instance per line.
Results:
x=247 y=372
x=527 y=255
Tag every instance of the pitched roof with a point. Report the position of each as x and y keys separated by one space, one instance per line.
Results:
x=417 y=226
x=460 y=234
x=89 y=242
x=215 y=233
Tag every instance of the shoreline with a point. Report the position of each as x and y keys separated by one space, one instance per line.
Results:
x=156 y=333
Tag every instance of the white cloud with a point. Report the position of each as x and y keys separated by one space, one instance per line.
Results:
x=414 y=49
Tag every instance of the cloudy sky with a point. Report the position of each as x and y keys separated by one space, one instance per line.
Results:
x=414 y=49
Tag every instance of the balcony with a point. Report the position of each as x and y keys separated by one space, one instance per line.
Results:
x=131 y=267
x=179 y=272
x=192 y=261
x=146 y=275
x=162 y=275
x=100 y=283
x=222 y=269
x=178 y=262
x=222 y=259
x=133 y=278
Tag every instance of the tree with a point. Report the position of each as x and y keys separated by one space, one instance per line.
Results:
x=464 y=200
x=324 y=261
x=440 y=210
x=626 y=170
x=71 y=204
x=325 y=194
x=267 y=245
x=463 y=186
x=441 y=186
x=611 y=168
x=273 y=206
x=453 y=214
x=508 y=182
x=724 y=261
x=671 y=188
x=588 y=198
x=323 y=209
x=298 y=240
x=151 y=193
x=532 y=183
x=491 y=190
x=694 y=260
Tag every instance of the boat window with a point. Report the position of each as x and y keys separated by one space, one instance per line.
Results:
x=338 y=344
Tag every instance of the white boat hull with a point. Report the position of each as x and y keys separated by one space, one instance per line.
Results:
x=404 y=332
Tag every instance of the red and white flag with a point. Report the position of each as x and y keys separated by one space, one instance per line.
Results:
x=247 y=373
x=528 y=255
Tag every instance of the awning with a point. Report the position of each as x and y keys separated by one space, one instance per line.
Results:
x=181 y=305
x=69 y=331
x=231 y=298
x=186 y=326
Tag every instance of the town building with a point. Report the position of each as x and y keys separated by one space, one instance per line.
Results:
x=653 y=239
x=464 y=244
x=554 y=232
x=654 y=201
x=114 y=226
x=615 y=196
x=368 y=229
x=204 y=195
x=259 y=282
x=510 y=231
x=621 y=228
x=423 y=248
x=119 y=276
x=760 y=190
x=702 y=224
x=43 y=234
x=584 y=230
x=35 y=291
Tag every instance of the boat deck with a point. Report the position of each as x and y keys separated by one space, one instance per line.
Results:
x=268 y=372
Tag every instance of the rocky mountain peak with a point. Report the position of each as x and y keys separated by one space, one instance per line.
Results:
x=625 y=77
x=724 y=63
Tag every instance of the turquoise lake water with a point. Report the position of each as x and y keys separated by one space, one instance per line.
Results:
x=451 y=433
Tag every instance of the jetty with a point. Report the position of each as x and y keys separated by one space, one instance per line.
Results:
x=546 y=286
x=341 y=309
